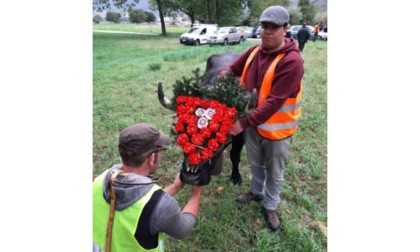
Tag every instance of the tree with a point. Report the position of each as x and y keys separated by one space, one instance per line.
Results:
x=97 y=19
x=321 y=15
x=137 y=16
x=295 y=16
x=256 y=7
x=112 y=16
x=101 y=5
x=150 y=17
x=308 y=11
x=185 y=6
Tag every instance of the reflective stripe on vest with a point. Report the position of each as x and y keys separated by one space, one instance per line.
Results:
x=284 y=122
x=125 y=221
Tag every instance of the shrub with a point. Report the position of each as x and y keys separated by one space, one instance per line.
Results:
x=137 y=16
x=97 y=19
x=113 y=16
x=155 y=66
x=150 y=17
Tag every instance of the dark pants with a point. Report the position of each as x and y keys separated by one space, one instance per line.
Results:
x=301 y=46
x=315 y=36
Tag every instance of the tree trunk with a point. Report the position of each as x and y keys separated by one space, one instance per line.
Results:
x=162 y=21
x=217 y=11
x=191 y=15
x=208 y=11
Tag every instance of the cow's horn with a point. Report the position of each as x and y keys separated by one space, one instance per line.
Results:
x=162 y=99
x=252 y=102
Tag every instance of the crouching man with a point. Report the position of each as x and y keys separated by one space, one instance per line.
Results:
x=131 y=212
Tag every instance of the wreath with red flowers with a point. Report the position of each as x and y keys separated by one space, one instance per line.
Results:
x=204 y=115
x=202 y=127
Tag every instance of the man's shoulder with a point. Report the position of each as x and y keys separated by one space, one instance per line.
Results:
x=166 y=201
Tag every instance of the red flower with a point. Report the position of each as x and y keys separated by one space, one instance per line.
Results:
x=182 y=140
x=213 y=145
x=180 y=110
x=179 y=127
x=194 y=158
x=191 y=128
x=197 y=139
x=213 y=126
x=221 y=137
x=205 y=132
x=206 y=153
x=189 y=148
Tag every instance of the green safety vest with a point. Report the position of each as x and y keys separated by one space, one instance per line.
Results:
x=125 y=221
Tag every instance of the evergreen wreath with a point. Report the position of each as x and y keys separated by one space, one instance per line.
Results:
x=225 y=89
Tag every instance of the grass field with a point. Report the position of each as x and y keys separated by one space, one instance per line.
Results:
x=126 y=70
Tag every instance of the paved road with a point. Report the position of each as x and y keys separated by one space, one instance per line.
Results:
x=125 y=32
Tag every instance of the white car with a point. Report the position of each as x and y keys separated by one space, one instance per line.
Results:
x=323 y=35
x=198 y=35
x=227 y=35
x=247 y=30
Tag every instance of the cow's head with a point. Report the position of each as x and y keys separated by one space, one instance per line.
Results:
x=200 y=175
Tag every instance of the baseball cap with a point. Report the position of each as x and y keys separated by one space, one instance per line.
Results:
x=141 y=138
x=277 y=15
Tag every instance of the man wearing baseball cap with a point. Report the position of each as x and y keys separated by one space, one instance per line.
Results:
x=275 y=69
x=131 y=212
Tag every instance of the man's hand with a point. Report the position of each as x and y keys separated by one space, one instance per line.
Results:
x=236 y=128
x=175 y=187
x=177 y=182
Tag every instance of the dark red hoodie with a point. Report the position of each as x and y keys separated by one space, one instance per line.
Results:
x=288 y=73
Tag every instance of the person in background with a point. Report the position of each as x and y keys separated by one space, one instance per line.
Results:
x=131 y=212
x=316 y=31
x=321 y=26
x=288 y=32
x=275 y=69
x=303 y=36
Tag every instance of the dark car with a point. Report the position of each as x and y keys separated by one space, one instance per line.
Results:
x=295 y=28
x=256 y=32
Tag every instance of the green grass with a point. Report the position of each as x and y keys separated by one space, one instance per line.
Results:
x=126 y=70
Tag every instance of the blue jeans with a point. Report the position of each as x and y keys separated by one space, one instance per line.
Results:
x=267 y=159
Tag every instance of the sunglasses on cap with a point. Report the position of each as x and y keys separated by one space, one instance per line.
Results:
x=160 y=148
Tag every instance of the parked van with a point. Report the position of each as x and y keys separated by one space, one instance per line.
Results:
x=198 y=35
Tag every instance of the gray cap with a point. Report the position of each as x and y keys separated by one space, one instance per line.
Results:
x=141 y=138
x=275 y=14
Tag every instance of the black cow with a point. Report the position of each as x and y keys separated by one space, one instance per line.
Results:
x=214 y=66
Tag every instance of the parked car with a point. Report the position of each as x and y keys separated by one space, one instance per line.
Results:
x=247 y=30
x=227 y=35
x=323 y=35
x=256 y=32
x=198 y=35
x=295 y=28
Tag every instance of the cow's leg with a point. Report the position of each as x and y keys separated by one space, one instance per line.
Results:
x=235 y=158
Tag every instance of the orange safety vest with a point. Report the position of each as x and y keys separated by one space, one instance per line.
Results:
x=284 y=122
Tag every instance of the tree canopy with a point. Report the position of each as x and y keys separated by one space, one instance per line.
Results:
x=221 y=12
x=137 y=16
